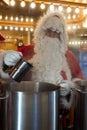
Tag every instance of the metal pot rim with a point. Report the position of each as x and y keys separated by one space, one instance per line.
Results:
x=30 y=86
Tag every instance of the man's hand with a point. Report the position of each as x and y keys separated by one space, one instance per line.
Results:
x=9 y=58
x=65 y=90
x=65 y=87
x=12 y=57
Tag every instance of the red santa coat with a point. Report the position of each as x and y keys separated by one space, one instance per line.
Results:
x=28 y=52
x=74 y=65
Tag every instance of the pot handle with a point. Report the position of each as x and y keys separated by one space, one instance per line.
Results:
x=3 y=94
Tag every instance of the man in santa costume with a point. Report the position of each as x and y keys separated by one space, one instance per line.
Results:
x=52 y=61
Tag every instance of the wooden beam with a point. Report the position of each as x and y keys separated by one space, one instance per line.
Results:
x=80 y=4
x=33 y=24
x=76 y=21
x=17 y=24
x=7 y=2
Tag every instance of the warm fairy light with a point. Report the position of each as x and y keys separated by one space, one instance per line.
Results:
x=32 y=5
x=6 y=27
x=74 y=16
x=16 y=28
x=74 y=27
x=69 y=9
x=16 y=18
x=23 y=3
x=85 y=11
x=27 y=19
x=31 y=19
x=6 y=17
x=11 y=18
x=69 y=27
x=79 y=42
x=21 y=29
x=69 y=17
x=77 y=10
x=11 y=28
x=12 y=3
x=60 y=8
x=42 y=6
x=31 y=29
x=0 y=27
x=26 y=29
x=0 y=17
x=22 y=19
x=70 y=43
x=51 y=7
x=75 y=42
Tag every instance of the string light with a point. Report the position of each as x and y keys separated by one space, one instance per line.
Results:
x=69 y=17
x=16 y=18
x=6 y=17
x=32 y=5
x=12 y=3
x=26 y=29
x=21 y=28
x=60 y=8
x=27 y=19
x=22 y=19
x=11 y=18
x=69 y=9
x=0 y=17
x=74 y=27
x=42 y=6
x=31 y=29
x=85 y=11
x=74 y=16
x=51 y=7
x=11 y=28
x=6 y=27
x=31 y=20
x=0 y=27
x=16 y=28
x=77 y=10
x=23 y=3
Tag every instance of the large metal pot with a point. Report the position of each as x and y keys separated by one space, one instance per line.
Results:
x=3 y=110
x=81 y=105
x=32 y=106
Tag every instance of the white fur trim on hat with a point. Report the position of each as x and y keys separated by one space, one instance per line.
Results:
x=52 y=19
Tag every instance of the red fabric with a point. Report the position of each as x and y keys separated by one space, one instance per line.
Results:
x=74 y=65
x=2 y=38
x=28 y=52
x=64 y=122
x=63 y=74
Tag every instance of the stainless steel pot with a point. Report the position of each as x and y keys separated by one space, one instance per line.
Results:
x=3 y=110
x=80 y=121
x=32 y=106
x=20 y=69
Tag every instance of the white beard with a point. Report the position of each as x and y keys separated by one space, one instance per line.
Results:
x=49 y=61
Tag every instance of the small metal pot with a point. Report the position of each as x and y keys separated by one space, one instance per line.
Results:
x=20 y=70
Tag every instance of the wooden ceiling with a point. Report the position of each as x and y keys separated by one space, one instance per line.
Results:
x=6 y=9
x=73 y=2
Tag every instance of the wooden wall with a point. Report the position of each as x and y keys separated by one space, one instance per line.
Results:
x=11 y=39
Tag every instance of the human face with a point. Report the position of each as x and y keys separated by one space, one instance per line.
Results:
x=52 y=33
